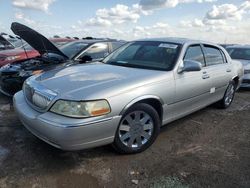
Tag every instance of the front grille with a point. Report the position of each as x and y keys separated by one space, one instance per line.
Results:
x=40 y=101
x=28 y=91
x=37 y=96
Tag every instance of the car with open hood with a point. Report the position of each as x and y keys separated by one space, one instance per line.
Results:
x=242 y=54
x=50 y=56
x=23 y=50
x=126 y=98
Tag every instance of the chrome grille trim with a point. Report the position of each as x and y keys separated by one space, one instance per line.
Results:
x=37 y=96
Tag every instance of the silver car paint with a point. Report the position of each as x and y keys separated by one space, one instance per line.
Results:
x=246 y=65
x=178 y=93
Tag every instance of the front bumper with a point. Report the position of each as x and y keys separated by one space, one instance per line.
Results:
x=63 y=132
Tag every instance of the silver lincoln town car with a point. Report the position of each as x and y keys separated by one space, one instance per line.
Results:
x=126 y=98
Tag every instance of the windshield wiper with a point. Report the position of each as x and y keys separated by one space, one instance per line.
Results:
x=123 y=64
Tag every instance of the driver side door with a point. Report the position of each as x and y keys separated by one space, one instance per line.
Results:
x=192 y=88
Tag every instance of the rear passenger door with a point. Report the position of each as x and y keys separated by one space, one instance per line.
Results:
x=218 y=70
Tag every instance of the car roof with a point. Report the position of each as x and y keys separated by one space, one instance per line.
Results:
x=177 y=40
x=92 y=41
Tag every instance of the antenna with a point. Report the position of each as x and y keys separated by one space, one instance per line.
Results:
x=23 y=46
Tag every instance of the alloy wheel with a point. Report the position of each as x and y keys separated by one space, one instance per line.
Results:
x=136 y=129
x=229 y=94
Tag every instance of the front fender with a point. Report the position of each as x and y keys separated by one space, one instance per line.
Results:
x=144 y=97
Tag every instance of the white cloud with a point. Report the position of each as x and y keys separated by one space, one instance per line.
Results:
x=41 y=27
x=20 y=16
x=117 y=15
x=228 y=11
x=157 y=30
x=98 y=21
x=42 y=5
x=158 y=4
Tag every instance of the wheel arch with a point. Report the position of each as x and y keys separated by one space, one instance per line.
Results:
x=152 y=100
x=236 y=80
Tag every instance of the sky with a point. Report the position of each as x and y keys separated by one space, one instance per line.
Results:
x=220 y=21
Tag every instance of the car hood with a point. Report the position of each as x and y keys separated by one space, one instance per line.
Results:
x=5 y=42
x=96 y=80
x=12 y=52
x=35 y=39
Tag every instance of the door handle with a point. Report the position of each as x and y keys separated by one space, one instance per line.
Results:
x=205 y=76
x=229 y=70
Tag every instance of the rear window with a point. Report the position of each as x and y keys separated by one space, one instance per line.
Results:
x=213 y=55
x=239 y=53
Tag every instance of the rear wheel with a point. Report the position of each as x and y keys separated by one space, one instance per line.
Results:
x=228 y=96
x=137 y=130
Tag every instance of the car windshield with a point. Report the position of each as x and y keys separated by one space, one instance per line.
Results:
x=73 y=48
x=145 y=54
x=239 y=53
x=27 y=46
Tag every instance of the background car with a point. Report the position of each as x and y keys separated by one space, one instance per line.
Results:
x=61 y=41
x=5 y=44
x=127 y=98
x=242 y=54
x=13 y=75
x=25 y=51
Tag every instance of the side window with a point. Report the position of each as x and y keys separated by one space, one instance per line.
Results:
x=213 y=55
x=195 y=53
x=116 y=45
x=97 y=51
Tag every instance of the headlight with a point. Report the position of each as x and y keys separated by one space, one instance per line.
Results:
x=81 y=109
x=12 y=58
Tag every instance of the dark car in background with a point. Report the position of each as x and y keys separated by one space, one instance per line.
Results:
x=5 y=44
x=13 y=75
x=61 y=41
x=242 y=54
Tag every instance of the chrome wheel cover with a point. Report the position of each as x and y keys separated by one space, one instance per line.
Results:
x=229 y=95
x=136 y=129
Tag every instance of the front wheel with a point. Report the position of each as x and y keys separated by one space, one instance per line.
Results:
x=228 y=96
x=138 y=129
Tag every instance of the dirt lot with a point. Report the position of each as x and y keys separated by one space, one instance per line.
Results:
x=210 y=148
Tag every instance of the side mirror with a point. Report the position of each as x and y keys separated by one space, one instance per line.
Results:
x=190 y=66
x=85 y=58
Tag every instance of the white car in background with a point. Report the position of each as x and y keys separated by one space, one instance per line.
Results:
x=242 y=54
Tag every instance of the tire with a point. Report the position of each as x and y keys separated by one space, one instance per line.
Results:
x=228 y=97
x=137 y=130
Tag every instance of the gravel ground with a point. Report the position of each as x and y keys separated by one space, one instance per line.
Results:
x=210 y=148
